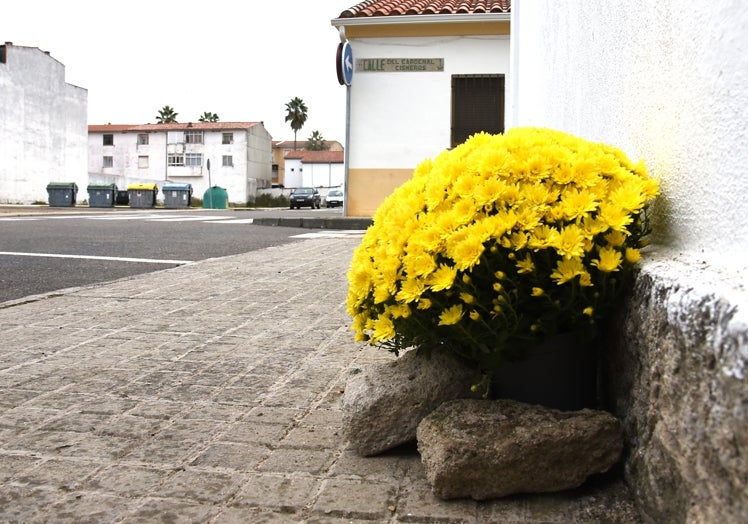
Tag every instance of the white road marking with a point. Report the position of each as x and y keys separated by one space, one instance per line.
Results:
x=331 y=233
x=91 y=257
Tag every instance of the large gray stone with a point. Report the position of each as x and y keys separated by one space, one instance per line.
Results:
x=492 y=448
x=676 y=375
x=384 y=403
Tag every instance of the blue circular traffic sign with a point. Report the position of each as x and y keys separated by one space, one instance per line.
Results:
x=345 y=63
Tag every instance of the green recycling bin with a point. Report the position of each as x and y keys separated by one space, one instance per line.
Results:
x=101 y=195
x=215 y=198
x=142 y=195
x=62 y=194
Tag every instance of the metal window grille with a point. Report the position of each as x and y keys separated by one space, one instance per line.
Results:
x=477 y=105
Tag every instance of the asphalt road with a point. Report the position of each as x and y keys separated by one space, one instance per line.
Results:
x=46 y=249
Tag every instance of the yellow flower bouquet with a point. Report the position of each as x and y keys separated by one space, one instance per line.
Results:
x=499 y=243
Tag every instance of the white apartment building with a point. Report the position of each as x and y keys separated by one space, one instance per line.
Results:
x=236 y=156
x=42 y=125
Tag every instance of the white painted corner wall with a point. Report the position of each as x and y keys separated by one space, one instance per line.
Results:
x=664 y=81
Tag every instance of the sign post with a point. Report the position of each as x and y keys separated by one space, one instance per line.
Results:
x=344 y=68
x=210 y=192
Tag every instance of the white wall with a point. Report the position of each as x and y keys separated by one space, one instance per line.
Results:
x=412 y=122
x=43 y=133
x=662 y=80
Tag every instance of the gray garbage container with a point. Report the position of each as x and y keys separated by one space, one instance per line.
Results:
x=62 y=194
x=177 y=195
x=142 y=195
x=101 y=195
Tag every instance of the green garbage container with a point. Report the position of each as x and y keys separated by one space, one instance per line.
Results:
x=62 y=194
x=142 y=195
x=101 y=195
x=177 y=195
x=215 y=198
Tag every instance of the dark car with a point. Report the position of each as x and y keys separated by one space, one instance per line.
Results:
x=305 y=196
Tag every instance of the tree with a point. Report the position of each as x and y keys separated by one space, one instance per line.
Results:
x=296 y=114
x=207 y=116
x=316 y=142
x=166 y=115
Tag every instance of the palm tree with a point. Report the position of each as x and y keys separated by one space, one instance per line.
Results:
x=296 y=114
x=207 y=116
x=166 y=115
x=315 y=142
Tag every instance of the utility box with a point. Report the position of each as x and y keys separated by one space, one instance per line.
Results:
x=101 y=195
x=177 y=195
x=215 y=198
x=62 y=194
x=142 y=195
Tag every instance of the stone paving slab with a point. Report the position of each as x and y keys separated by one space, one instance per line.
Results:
x=212 y=393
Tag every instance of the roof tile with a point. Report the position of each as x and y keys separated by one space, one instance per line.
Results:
x=204 y=126
x=371 y=8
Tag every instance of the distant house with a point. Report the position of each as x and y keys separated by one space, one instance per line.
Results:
x=282 y=147
x=426 y=76
x=42 y=125
x=239 y=153
x=314 y=168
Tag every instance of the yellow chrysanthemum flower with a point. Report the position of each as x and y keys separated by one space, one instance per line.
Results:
x=442 y=278
x=610 y=260
x=451 y=315
x=509 y=214
x=525 y=265
x=570 y=242
x=567 y=269
x=632 y=255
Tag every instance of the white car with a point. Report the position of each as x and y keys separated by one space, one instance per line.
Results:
x=334 y=198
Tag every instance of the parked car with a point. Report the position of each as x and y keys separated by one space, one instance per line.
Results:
x=334 y=198
x=305 y=196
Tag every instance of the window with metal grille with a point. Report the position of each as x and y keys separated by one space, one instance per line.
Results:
x=142 y=139
x=477 y=105
x=193 y=137
x=228 y=161
x=193 y=159
x=108 y=161
x=228 y=138
x=108 y=140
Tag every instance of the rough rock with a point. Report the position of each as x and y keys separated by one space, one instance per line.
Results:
x=676 y=376
x=492 y=448
x=384 y=403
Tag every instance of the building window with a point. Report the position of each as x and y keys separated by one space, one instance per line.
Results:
x=143 y=139
x=193 y=137
x=143 y=162
x=228 y=161
x=108 y=140
x=193 y=159
x=477 y=105
x=228 y=138
x=108 y=161
x=175 y=160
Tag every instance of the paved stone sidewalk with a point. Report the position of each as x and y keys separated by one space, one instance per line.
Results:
x=211 y=393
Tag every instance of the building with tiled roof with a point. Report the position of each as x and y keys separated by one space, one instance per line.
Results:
x=371 y=8
x=240 y=156
x=425 y=75
x=282 y=147
x=314 y=168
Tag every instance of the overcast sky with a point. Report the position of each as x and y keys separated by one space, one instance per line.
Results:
x=241 y=59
